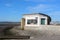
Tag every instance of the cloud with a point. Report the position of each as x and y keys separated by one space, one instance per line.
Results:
x=51 y=10
x=41 y=8
x=8 y=5
x=41 y=0
x=55 y=13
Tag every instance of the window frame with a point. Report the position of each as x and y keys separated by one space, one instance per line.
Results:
x=32 y=21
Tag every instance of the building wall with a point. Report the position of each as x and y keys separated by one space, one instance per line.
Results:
x=33 y=17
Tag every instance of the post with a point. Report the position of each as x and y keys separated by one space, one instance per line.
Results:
x=22 y=23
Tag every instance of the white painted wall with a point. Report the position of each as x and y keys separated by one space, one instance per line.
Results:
x=30 y=17
x=33 y=17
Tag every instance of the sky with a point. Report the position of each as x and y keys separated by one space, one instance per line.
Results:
x=12 y=10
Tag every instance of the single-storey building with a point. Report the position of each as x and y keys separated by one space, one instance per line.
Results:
x=35 y=19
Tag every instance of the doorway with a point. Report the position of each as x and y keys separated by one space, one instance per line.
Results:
x=42 y=21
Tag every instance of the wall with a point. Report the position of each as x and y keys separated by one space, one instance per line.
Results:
x=44 y=27
x=30 y=17
x=33 y=17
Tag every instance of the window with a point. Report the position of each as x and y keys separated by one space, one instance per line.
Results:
x=28 y=21
x=43 y=21
x=32 y=21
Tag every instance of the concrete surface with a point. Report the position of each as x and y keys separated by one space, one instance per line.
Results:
x=44 y=33
x=39 y=34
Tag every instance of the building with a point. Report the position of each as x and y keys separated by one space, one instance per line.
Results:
x=35 y=19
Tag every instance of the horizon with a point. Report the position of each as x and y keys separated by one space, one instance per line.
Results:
x=12 y=10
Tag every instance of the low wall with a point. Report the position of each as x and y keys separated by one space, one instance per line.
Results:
x=43 y=27
x=49 y=29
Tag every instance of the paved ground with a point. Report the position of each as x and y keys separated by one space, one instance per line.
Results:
x=37 y=34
